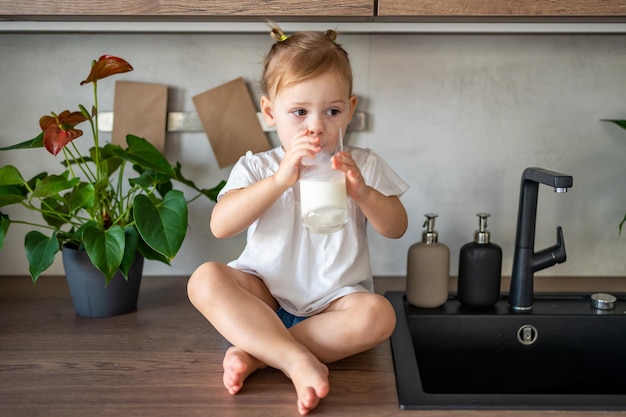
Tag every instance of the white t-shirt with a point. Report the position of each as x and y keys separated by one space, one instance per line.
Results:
x=305 y=271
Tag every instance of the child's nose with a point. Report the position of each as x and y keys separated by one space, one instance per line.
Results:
x=316 y=127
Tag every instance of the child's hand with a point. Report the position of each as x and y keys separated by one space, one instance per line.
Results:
x=386 y=214
x=302 y=145
x=355 y=184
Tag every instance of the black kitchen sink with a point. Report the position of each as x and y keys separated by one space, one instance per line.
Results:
x=562 y=354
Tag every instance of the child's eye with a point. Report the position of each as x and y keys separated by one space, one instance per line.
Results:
x=333 y=112
x=299 y=112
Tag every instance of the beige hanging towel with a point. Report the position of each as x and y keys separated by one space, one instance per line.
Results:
x=229 y=118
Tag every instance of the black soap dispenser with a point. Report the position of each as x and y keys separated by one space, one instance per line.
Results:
x=480 y=269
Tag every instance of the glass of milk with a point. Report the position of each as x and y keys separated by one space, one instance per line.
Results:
x=323 y=191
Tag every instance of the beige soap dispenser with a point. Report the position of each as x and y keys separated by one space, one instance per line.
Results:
x=428 y=269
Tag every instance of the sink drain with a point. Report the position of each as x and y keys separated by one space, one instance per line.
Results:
x=527 y=334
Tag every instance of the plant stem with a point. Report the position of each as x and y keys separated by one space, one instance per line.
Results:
x=80 y=161
x=44 y=226
x=94 y=128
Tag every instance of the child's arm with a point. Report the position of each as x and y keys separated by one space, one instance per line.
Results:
x=386 y=214
x=238 y=209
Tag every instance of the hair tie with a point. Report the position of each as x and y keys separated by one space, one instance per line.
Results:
x=283 y=38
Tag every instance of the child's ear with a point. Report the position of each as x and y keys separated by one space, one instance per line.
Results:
x=353 y=102
x=266 y=111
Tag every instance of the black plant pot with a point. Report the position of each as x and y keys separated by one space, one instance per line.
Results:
x=87 y=285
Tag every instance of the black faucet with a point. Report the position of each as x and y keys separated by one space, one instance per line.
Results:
x=525 y=261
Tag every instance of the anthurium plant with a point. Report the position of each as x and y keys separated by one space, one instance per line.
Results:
x=95 y=203
x=622 y=124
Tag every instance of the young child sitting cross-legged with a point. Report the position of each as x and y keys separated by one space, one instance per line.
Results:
x=293 y=300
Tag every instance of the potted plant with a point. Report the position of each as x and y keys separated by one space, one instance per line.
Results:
x=622 y=124
x=110 y=214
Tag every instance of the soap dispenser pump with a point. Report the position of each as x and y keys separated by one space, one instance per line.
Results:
x=428 y=269
x=480 y=269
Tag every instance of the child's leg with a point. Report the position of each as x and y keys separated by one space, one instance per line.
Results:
x=241 y=309
x=350 y=325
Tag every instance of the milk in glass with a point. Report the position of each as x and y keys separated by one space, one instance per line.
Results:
x=323 y=192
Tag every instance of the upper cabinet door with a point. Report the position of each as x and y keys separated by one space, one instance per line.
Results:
x=502 y=8
x=182 y=9
x=368 y=10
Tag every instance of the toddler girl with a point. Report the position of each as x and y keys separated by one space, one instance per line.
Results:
x=294 y=300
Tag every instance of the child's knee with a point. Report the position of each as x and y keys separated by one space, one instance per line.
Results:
x=199 y=283
x=390 y=317
x=379 y=318
x=384 y=320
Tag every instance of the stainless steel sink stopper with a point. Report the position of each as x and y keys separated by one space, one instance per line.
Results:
x=603 y=301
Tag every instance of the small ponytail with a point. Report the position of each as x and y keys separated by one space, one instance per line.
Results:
x=277 y=33
x=331 y=34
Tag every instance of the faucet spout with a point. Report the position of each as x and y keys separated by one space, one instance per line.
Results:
x=525 y=260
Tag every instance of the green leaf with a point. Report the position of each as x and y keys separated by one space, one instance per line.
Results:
x=52 y=185
x=622 y=224
x=12 y=189
x=164 y=187
x=143 y=153
x=12 y=194
x=76 y=236
x=32 y=183
x=9 y=175
x=55 y=212
x=149 y=178
x=180 y=177
x=162 y=224
x=620 y=123
x=151 y=254
x=81 y=197
x=131 y=237
x=211 y=194
x=105 y=248
x=84 y=111
x=76 y=161
x=5 y=222
x=109 y=158
x=40 y=252
x=101 y=185
x=29 y=144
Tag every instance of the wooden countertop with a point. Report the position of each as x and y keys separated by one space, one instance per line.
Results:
x=165 y=360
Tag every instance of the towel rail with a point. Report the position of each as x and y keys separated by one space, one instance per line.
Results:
x=190 y=122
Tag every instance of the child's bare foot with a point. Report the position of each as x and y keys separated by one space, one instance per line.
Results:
x=310 y=378
x=238 y=365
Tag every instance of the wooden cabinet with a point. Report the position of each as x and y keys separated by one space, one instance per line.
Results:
x=181 y=9
x=502 y=8
x=363 y=10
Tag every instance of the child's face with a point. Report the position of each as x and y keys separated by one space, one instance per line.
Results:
x=316 y=107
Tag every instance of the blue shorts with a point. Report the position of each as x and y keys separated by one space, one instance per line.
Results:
x=289 y=319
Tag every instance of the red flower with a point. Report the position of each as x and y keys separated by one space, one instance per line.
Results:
x=59 y=130
x=106 y=65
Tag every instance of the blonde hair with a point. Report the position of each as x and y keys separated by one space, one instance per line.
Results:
x=301 y=56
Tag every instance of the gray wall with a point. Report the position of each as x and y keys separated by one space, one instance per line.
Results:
x=458 y=116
